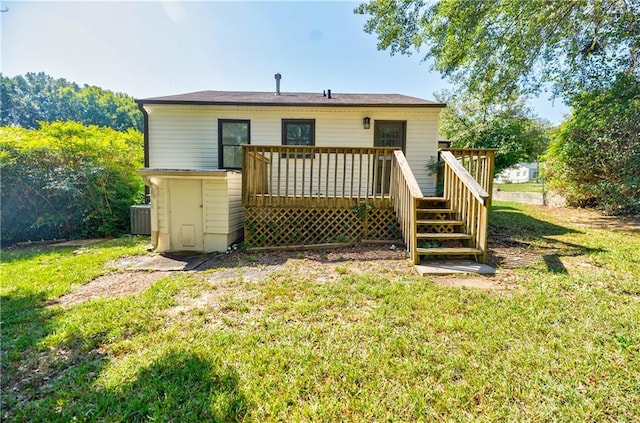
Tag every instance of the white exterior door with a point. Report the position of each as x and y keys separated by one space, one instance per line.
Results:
x=185 y=208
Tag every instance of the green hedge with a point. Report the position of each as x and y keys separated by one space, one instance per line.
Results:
x=68 y=180
x=594 y=159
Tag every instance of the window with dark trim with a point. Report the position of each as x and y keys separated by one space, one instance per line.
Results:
x=232 y=133
x=301 y=132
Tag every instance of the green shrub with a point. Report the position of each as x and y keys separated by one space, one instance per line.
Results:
x=594 y=159
x=67 y=180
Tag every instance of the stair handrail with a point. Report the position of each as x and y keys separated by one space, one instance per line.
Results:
x=469 y=199
x=407 y=173
x=405 y=194
x=469 y=181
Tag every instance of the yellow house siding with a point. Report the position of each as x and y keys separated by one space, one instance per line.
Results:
x=216 y=206
x=162 y=206
x=204 y=205
x=423 y=148
x=234 y=194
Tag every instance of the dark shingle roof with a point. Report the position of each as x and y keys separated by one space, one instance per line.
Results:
x=290 y=99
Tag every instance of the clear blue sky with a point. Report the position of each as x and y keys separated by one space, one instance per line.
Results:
x=153 y=48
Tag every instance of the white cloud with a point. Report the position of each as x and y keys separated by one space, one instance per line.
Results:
x=175 y=10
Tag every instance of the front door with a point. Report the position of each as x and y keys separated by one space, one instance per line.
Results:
x=387 y=133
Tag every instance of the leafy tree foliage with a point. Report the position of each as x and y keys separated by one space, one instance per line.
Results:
x=68 y=180
x=500 y=48
x=38 y=97
x=595 y=156
x=512 y=130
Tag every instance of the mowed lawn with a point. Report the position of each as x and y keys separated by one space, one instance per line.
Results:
x=561 y=343
x=520 y=187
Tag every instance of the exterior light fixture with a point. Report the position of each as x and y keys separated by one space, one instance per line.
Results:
x=366 y=123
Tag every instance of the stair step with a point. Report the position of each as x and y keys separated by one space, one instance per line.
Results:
x=435 y=210
x=439 y=222
x=433 y=202
x=443 y=236
x=444 y=251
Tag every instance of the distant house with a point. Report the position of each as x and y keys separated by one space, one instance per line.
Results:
x=521 y=172
x=285 y=168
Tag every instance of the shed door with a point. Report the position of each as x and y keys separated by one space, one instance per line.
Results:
x=387 y=133
x=185 y=207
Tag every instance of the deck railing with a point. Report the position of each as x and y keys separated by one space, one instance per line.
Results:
x=479 y=162
x=464 y=177
x=280 y=176
x=405 y=194
x=323 y=189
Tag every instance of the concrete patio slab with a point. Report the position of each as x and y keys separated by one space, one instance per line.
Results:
x=457 y=267
x=170 y=262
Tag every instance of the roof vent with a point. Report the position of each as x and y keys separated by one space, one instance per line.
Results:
x=278 y=77
x=328 y=93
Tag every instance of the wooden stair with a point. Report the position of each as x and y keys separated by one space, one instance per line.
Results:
x=439 y=233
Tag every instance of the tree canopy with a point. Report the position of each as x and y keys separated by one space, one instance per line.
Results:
x=499 y=48
x=38 y=97
x=511 y=129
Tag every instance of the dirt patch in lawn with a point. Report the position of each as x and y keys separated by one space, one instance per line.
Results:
x=111 y=286
x=505 y=253
x=492 y=283
x=585 y=218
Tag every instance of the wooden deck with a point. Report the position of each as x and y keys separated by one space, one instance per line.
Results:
x=296 y=196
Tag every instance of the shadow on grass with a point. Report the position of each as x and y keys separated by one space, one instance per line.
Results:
x=43 y=382
x=513 y=223
x=513 y=233
x=24 y=324
x=554 y=263
x=58 y=384
x=178 y=386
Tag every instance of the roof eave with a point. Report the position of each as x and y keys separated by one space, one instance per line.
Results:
x=270 y=104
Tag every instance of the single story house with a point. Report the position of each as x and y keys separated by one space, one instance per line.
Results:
x=519 y=173
x=216 y=160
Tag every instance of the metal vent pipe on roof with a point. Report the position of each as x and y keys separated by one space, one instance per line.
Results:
x=278 y=77
x=328 y=93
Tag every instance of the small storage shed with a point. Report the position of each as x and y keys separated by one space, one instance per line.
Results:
x=194 y=210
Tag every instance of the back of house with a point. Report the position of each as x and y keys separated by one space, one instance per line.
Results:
x=194 y=156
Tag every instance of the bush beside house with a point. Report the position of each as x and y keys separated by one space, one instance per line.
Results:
x=594 y=159
x=68 y=180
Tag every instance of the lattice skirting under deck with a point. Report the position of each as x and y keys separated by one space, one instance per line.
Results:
x=276 y=226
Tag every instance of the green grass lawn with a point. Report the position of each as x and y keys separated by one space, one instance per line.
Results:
x=562 y=345
x=520 y=187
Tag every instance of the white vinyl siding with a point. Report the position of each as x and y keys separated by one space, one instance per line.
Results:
x=186 y=137
x=179 y=140
x=236 y=211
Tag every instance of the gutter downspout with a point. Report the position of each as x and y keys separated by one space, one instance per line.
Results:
x=145 y=135
x=147 y=181
x=145 y=132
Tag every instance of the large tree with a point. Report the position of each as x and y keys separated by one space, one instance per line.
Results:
x=38 y=97
x=500 y=47
x=510 y=128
